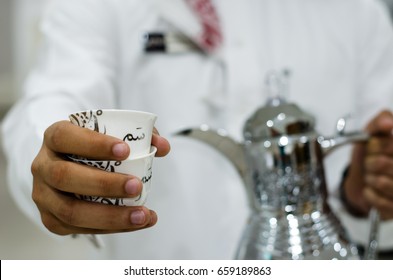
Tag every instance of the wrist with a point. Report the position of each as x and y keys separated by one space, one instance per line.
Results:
x=352 y=199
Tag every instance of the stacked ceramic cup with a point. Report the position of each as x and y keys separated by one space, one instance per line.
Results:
x=133 y=127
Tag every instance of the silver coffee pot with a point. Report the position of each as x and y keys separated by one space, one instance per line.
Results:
x=281 y=164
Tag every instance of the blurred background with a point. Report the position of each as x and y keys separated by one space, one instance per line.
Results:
x=19 y=38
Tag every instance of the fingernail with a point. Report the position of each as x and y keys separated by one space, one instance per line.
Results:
x=120 y=150
x=138 y=217
x=132 y=187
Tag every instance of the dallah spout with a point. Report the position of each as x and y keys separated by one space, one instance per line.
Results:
x=220 y=140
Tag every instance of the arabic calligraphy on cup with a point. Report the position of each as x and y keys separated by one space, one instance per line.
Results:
x=141 y=167
x=133 y=127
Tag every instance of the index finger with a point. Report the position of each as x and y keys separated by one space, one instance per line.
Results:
x=380 y=145
x=382 y=124
x=67 y=138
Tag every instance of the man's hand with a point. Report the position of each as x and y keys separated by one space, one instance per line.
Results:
x=370 y=177
x=56 y=180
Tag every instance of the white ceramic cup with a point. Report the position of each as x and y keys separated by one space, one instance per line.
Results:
x=133 y=127
x=141 y=167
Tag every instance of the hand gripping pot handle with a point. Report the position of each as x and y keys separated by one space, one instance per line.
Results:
x=330 y=144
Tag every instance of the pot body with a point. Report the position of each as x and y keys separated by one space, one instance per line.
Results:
x=291 y=218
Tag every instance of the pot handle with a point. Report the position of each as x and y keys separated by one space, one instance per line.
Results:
x=342 y=138
x=331 y=143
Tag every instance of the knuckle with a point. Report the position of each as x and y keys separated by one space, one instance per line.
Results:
x=58 y=172
x=66 y=213
x=381 y=163
x=381 y=184
x=38 y=194
x=376 y=184
x=49 y=222
x=35 y=195
x=38 y=164
x=54 y=135
x=53 y=225
x=35 y=167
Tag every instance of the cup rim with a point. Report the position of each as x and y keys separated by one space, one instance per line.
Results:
x=153 y=150
x=115 y=111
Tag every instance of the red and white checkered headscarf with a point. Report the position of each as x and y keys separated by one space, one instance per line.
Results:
x=211 y=36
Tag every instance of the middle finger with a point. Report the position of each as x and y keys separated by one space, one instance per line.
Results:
x=379 y=165
x=86 y=180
